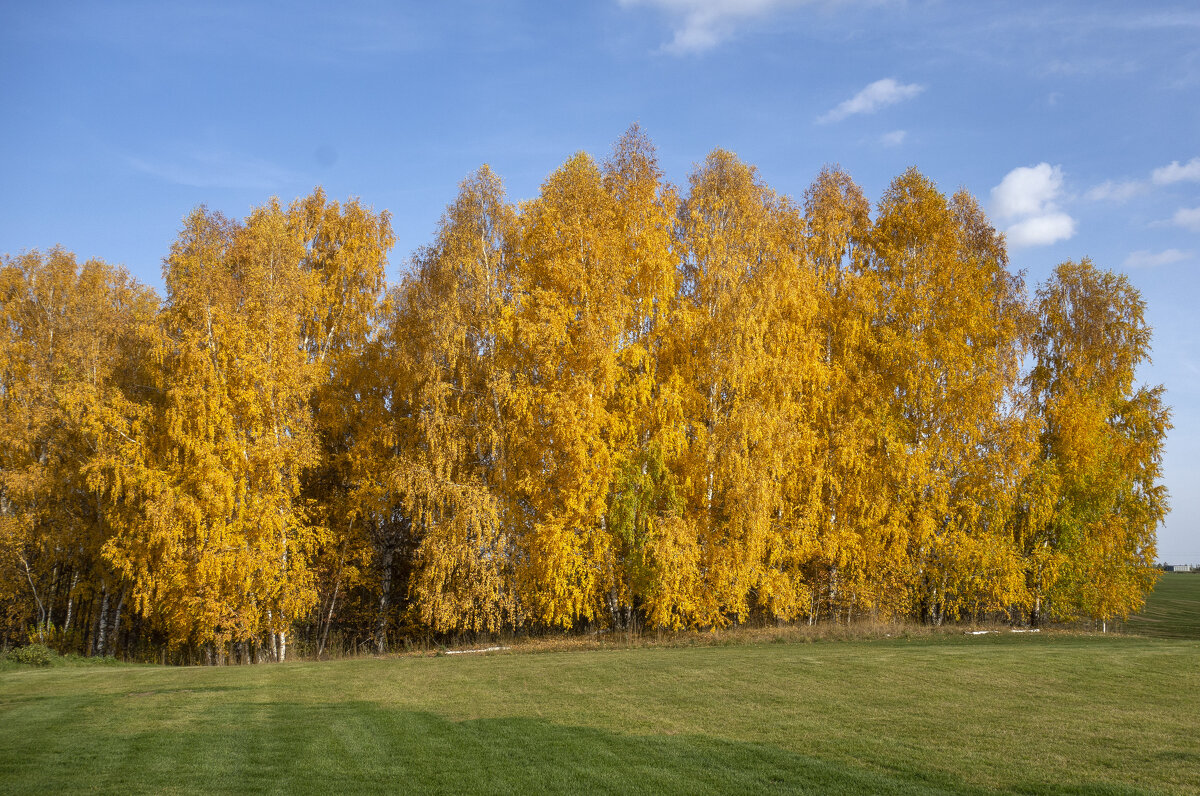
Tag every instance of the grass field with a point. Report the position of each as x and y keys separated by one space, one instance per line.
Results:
x=1172 y=609
x=950 y=714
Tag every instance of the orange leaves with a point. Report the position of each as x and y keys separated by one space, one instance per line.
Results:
x=951 y=327
x=73 y=355
x=218 y=542
x=615 y=403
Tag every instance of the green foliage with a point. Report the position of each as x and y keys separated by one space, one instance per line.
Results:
x=643 y=494
x=1102 y=439
x=33 y=655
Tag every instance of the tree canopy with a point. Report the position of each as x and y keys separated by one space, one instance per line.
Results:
x=619 y=404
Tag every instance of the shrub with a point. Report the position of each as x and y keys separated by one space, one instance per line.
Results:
x=33 y=655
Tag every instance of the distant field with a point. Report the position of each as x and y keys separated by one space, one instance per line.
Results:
x=1029 y=713
x=1172 y=609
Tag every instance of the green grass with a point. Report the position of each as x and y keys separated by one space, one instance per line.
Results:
x=1172 y=609
x=952 y=714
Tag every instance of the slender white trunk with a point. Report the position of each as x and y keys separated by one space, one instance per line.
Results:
x=70 y=600
x=41 y=610
x=51 y=598
x=833 y=592
x=102 y=625
x=384 y=601
x=328 y=619
x=116 y=628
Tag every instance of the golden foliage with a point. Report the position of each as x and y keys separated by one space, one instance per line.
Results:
x=616 y=403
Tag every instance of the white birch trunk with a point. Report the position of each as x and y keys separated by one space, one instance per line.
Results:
x=102 y=625
x=384 y=601
x=116 y=622
x=70 y=601
x=328 y=619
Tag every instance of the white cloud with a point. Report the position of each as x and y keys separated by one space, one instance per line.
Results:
x=878 y=95
x=1028 y=190
x=1041 y=230
x=1028 y=195
x=1188 y=218
x=1116 y=191
x=702 y=24
x=894 y=138
x=1174 y=172
x=1145 y=259
x=210 y=168
x=1123 y=190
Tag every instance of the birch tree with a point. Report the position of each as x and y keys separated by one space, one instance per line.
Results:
x=951 y=326
x=1096 y=497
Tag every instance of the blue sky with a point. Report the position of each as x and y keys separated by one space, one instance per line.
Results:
x=1076 y=124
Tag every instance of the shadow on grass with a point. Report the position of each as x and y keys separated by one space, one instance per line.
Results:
x=362 y=747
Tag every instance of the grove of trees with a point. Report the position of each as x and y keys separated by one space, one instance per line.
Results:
x=619 y=404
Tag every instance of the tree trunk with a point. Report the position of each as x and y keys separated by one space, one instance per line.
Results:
x=272 y=643
x=116 y=626
x=385 y=600
x=935 y=613
x=70 y=601
x=833 y=590
x=52 y=597
x=41 y=626
x=329 y=618
x=98 y=641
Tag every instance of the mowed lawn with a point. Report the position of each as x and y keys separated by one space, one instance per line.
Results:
x=1172 y=609
x=951 y=714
